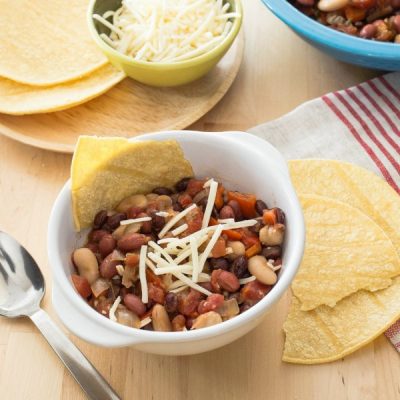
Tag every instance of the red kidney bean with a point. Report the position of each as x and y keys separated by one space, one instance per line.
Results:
x=100 y=219
x=194 y=186
x=107 y=245
x=368 y=31
x=396 y=22
x=189 y=322
x=226 y=212
x=132 y=241
x=236 y=209
x=182 y=184
x=108 y=267
x=260 y=205
x=239 y=267
x=178 y=323
x=146 y=225
x=176 y=206
x=134 y=304
x=162 y=191
x=81 y=285
x=228 y=281
x=219 y=263
x=133 y=212
x=171 y=302
x=93 y=246
x=212 y=302
x=280 y=215
x=96 y=235
x=114 y=220
x=207 y=286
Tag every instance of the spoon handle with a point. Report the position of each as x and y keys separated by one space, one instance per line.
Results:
x=93 y=384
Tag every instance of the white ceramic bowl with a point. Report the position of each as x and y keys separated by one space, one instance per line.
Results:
x=239 y=160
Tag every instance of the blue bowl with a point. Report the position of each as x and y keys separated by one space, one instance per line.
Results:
x=344 y=47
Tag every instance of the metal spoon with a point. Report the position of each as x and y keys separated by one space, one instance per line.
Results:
x=21 y=290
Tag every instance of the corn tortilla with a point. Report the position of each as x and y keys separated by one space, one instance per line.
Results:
x=46 y=42
x=354 y=186
x=106 y=170
x=345 y=252
x=17 y=98
x=327 y=334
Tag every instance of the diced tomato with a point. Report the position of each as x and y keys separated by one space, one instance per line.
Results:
x=254 y=291
x=156 y=293
x=219 y=249
x=219 y=198
x=253 y=250
x=81 y=285
x=365 y=4
x=132 y=259
x=194 y=186
x=232 y=234
x=212 y=222
x=355 y=14
x=269 y=217
x=194 y=219
x=212 y=302
x=249 y=238
x=153 y=278
x=247 y=203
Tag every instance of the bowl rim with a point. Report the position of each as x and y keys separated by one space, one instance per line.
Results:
x=139 y=336
x=320 y=33
x=108 y=50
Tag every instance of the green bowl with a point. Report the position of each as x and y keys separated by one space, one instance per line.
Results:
x=159 y=73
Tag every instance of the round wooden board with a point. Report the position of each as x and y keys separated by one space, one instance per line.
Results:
x=128 y=109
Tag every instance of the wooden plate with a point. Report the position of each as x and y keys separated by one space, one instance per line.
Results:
x=128 y=109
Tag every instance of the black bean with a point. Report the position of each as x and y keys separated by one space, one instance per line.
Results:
x=171 y=302
x=157 y=222
x=239 y=267
x=182 y=184
x=100 y=219
x=256 y=228
x=260 y=207
x=114 y=220
x=218 y=263
x=162 y=191
x=280 y=216
x=272 y=252
x=236 y=209
x=176 y=206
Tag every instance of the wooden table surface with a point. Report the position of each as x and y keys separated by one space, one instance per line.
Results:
x=278 y=73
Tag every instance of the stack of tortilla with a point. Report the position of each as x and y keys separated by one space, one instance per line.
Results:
x=48 y=61
x=347 y=290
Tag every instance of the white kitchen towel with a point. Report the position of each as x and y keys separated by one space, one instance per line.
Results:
x=360 y=125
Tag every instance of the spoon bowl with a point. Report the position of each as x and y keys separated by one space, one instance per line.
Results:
x=21 y=277
x=22 y=287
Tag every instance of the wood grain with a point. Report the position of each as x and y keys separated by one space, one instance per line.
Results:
x=128 y=109
x=278 y=73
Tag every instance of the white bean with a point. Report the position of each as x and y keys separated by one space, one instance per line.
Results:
x=258 y=266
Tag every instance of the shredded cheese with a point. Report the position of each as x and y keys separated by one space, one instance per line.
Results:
x=162 y=214
x=226 y=221
x=179 y=289
x=208 y=183
x=142 y=274
x=247 y=280
x=167 y=30
x=195 y=259
x=134 y=221
x=210 y=204
x=209 y=247
x=145 y=321
x=175 y=219
x=180 y=229
x=114 y=308
x=120 y=269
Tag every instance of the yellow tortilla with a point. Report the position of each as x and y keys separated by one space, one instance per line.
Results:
x=17 y=98
x=46 y=42
x=106 y=170
x=328 y=334
x=354 y=186
x=345 y=252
